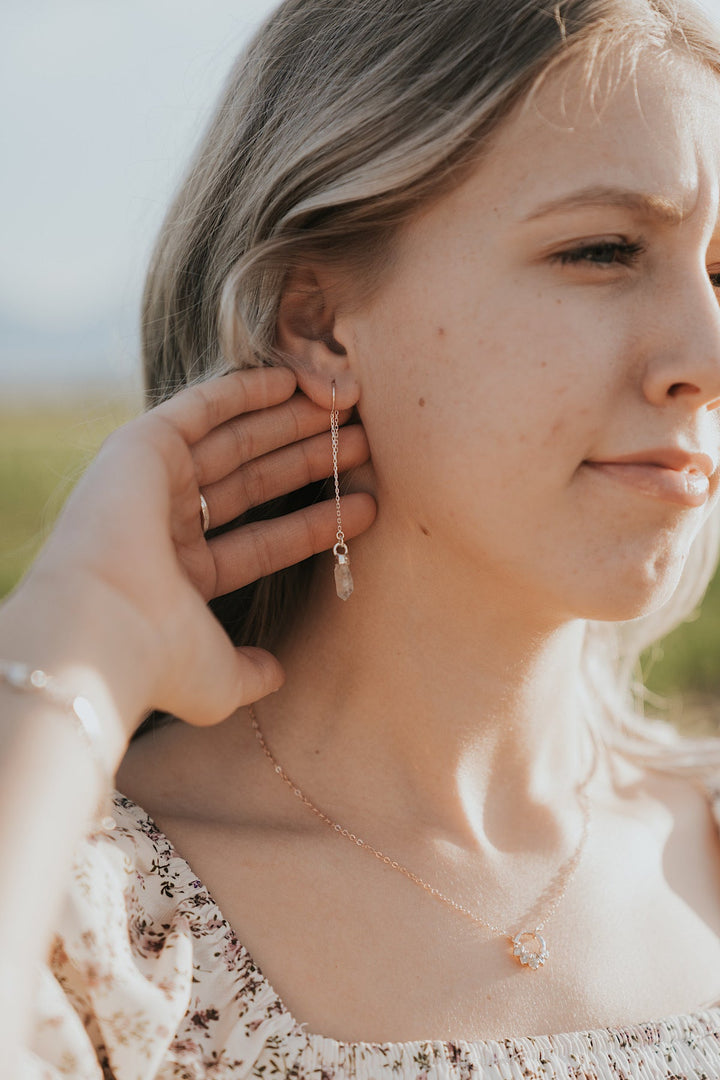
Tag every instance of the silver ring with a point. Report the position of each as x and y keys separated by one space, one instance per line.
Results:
x=204 y=513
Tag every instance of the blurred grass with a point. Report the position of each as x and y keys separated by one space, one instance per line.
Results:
x=45 y=447
x=684 y=668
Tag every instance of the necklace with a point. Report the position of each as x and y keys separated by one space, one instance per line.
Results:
x=528 y=945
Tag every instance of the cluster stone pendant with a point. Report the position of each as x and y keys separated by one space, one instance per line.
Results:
x=530 y=948
x=343 y=576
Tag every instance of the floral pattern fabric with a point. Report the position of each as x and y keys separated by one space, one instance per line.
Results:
x=147 y=981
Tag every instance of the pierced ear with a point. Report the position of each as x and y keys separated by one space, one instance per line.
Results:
x=306 y=336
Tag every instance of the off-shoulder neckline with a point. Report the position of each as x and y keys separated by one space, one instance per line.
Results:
x=678 y=1026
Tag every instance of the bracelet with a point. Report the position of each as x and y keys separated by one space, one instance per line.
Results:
x=22 y=677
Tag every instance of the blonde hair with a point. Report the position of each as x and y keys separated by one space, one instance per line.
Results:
x=340 y=119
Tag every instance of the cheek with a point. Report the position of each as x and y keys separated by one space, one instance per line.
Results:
x=476 y=377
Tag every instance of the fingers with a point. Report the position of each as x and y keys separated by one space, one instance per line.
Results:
x=243 y=438
x=260 y=548
x=218 y=678
x=283 y=471
x=248 y=675
x=196 y=410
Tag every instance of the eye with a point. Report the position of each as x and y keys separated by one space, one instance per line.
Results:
x=606 y=253
x=714 y=276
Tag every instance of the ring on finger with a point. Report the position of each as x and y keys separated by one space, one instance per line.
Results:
x=204 y=514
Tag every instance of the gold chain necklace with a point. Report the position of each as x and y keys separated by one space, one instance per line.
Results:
x=528 y=946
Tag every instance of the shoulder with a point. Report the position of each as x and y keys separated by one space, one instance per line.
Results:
x=682 y=815
x=214 y=777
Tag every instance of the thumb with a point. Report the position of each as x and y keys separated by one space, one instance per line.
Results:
x=220 y=679
x=260 y=673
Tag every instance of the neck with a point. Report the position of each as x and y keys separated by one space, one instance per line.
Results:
x=436 y=701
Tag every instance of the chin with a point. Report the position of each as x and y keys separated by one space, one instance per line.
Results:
x=634 y=591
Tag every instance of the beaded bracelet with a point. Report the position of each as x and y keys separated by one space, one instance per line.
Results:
x=22 y=677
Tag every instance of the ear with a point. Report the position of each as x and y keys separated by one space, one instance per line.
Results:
x=306 y=328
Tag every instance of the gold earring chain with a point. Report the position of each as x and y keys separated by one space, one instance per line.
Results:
x=343 y=577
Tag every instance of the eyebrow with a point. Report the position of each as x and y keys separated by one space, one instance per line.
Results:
x=656 y=207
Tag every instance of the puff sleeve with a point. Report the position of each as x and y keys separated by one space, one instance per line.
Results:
x=117 y=980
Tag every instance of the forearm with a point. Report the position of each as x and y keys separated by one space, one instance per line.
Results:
x=49 y=782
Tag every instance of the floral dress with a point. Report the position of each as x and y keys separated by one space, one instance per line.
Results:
x=147 y=981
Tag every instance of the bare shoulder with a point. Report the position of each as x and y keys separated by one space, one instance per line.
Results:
x=152 y=767
x=692 y=851
x=679 y=813
x=206 y=774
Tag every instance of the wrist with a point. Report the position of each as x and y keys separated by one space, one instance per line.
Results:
x=77 y=630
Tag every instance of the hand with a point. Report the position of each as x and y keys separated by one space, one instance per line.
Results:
x=131 y=530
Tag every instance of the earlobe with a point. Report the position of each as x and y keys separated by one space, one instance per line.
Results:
x=306 y=337
x=318 y=387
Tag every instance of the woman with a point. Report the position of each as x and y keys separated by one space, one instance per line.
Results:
x=488 y=233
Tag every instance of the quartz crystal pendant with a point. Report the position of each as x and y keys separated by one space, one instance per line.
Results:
x=530 y=948
x=343 y=577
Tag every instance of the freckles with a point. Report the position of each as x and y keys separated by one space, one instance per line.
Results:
x=421 y=402
x=554 y=430
x=442 y=354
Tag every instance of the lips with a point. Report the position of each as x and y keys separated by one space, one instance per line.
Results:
x=684 y=487
x=671 y=474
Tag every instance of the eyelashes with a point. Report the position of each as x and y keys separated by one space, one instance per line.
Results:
x=611 y=253
x=605 y=253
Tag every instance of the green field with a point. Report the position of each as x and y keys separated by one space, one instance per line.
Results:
x=45 y=448
x=43 y=451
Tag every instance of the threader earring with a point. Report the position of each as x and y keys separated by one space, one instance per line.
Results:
x=343 y=577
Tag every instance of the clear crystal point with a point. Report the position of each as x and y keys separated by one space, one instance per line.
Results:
x=343 y=577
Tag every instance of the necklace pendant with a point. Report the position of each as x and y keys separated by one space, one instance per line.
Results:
x=530 y=948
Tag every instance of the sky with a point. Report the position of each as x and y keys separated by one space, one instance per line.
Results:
x=101 y=102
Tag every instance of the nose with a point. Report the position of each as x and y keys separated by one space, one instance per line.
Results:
x=684 y=370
